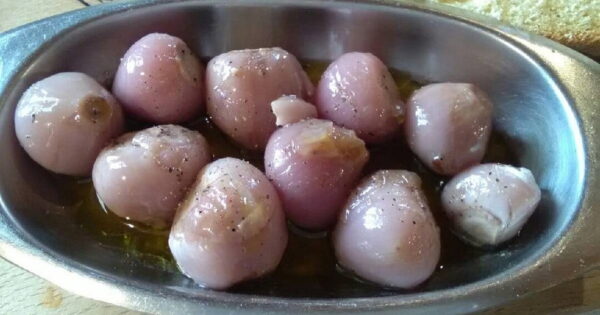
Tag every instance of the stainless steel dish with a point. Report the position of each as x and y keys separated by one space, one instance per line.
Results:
x=547 y=95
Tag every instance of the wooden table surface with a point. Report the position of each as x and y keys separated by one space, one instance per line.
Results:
x=24 y=293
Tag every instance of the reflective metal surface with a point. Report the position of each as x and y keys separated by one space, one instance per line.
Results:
x=546 y=95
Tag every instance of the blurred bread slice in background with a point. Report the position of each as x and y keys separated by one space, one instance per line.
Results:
x=574 y=23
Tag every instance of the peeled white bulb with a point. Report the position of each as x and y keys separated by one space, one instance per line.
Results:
x=230 y=228
x=488 y=204
x=386 y=233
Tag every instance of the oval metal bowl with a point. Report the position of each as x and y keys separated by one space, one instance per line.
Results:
x=546 y=95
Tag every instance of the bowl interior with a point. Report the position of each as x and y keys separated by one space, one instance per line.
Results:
x=531 y=112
